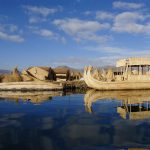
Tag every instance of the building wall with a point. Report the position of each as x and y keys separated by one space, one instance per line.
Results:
x=61 y=77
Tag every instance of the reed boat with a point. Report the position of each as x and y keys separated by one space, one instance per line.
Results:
x=132 y=74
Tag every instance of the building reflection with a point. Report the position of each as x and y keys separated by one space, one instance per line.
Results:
x=133 y=104
x=134 y=110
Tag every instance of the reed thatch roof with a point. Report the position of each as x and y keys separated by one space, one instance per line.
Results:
x=61 y=70
x=76 y=73
x=13 y=77
x=42 y=67
x=39 y=73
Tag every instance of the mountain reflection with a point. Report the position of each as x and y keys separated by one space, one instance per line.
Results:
x=133 y=104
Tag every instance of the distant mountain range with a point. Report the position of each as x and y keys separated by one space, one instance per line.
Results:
x=82 y=70
x=71 y=69
x=2 y=71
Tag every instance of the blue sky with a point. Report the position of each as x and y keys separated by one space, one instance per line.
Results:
x=72 y=32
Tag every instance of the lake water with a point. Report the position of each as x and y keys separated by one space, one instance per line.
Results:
x=91 y=121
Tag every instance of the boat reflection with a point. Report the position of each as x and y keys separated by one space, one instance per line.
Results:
x=34 y=96
x=133 y=104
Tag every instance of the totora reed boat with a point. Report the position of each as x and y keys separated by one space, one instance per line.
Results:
x=131 y=74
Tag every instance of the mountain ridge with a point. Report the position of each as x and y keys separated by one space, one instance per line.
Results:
x=4 y=71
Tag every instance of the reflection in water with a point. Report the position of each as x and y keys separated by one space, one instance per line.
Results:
x=134 y=104
x=63 y=124
x=134 y=110
x=34 y=96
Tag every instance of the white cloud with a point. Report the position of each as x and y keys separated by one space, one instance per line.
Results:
x=81 y=62
x=48 y=34
x=33 y=20
x=87 y=36
x=106 y=49
x=39 y=13
x=10 y=32
x=131 y=22
x=126 y=5
x=111 y=55
x=37 y=19
x=102 y=15
x=13 y=28
x=119 y=51
x=45 y=33
x=76 y=25
x=82 y=29
x=12 y=38
x=43 y=11
x=87 y=13
x=9 y=27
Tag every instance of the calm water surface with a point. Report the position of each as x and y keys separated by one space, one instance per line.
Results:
x=91 y=121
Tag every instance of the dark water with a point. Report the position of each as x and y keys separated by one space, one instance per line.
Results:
x=91 y=121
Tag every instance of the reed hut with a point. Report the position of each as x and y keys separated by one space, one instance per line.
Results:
x=40 y=73
x=110 y=75
x=13 y=77
x=62 y=74
x=75 y=75
x=26 y=76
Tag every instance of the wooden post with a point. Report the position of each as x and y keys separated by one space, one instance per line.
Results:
x=130 y=107
x=121 y=71
x=117 y=70
x=139 y=106
x=142 y=70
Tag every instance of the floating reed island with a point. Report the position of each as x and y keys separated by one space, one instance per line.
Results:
x=41 y=79
x=32 y=86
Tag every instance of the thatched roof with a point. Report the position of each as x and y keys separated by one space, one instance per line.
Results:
x=13 y=77
x=76 y=73
x=42 y=67
x=61 y=70
x=46 y=68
